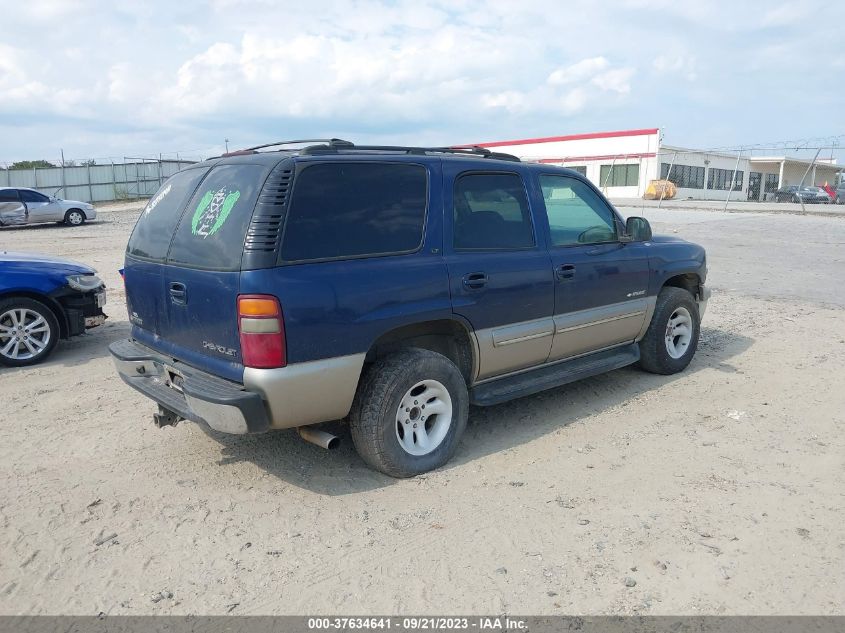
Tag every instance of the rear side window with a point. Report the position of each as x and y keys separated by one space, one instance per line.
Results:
x=213 y=227
x=491 y=213
x=9 y=195
x=341 y=210
x=159 y=218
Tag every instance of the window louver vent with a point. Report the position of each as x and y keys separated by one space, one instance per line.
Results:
x=266 y=226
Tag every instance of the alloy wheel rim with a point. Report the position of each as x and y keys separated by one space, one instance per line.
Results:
x=678 y=332
x=24 y=334
x=424 y=417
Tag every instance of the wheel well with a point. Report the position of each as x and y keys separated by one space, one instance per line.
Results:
x=446 y=337
x=688 y=281
x=54 y=306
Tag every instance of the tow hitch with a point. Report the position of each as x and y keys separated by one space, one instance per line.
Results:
x=166 y=417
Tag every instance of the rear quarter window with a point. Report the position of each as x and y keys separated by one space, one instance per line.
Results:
x=158 y=220
x=347 y=210
x=213 y=227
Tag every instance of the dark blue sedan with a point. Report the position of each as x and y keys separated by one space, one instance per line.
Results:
x=43 y=299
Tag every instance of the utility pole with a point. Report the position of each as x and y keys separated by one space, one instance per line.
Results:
x=64 y=193
x=227 y=144
x=733 y=179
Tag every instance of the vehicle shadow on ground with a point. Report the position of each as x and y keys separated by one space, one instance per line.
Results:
x=94 y=344
x=285 y=455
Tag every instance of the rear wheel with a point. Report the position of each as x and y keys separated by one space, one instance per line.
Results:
x=28 y=331
x=672 y=337
x=74 y=217
x=409 y=413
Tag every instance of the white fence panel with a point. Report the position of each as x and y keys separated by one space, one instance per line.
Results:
x=96 y=183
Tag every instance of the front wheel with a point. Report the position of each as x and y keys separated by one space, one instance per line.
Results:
x=74 y=217
x=672 y=337
x=28 y=331
x=409 y=413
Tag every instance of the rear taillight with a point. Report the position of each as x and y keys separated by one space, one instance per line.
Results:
x=262 y=331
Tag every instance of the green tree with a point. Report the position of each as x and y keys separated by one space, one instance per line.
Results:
x=31 y=164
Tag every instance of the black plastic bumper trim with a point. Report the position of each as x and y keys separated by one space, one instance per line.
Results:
x=196 y=384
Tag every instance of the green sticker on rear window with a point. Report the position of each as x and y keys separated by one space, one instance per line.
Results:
x=212 y=211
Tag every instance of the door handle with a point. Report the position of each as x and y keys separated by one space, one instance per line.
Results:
x=178 y=293
x=474 y=281
x=565 y=271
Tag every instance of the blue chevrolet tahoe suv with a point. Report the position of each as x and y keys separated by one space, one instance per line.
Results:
x=391 y=287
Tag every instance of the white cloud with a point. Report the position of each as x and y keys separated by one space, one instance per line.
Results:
x=509 y=100
x=21 y=92
x=392 y=76
x=593 y=72
x=789 y=14
x=49 y=10
x=146 y=76
x=579 y=71
x=676 y=64
x=615 y=80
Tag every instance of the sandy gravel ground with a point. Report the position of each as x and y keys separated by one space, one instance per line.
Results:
x=720 y=490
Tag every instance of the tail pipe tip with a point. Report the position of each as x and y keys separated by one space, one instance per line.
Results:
x=318 y=437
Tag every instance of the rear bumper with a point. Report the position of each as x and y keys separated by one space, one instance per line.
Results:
x=223 y=405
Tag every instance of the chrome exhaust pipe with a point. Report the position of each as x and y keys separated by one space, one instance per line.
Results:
x=318 y=437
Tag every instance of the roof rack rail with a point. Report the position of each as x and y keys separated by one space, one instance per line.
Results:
x=333 y=145
x=331 y=141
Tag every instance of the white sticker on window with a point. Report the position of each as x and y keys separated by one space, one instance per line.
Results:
x=152 y=204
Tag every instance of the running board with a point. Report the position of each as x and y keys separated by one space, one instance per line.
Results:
x=548 y=376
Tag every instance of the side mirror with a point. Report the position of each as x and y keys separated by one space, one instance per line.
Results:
x=637 y=230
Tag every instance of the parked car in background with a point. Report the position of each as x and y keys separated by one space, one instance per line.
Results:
x=391 y=287
x=839 y=194
x=809 y=195
x=21 y=205
x=820 y=196
x=43 y=299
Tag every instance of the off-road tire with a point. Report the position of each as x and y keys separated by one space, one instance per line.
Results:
x=372 y=419
x=15 y=303
x=654 y=355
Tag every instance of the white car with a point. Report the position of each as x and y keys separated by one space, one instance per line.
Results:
x=21 y=205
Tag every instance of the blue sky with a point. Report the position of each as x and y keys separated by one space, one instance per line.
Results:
x=101 y=79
